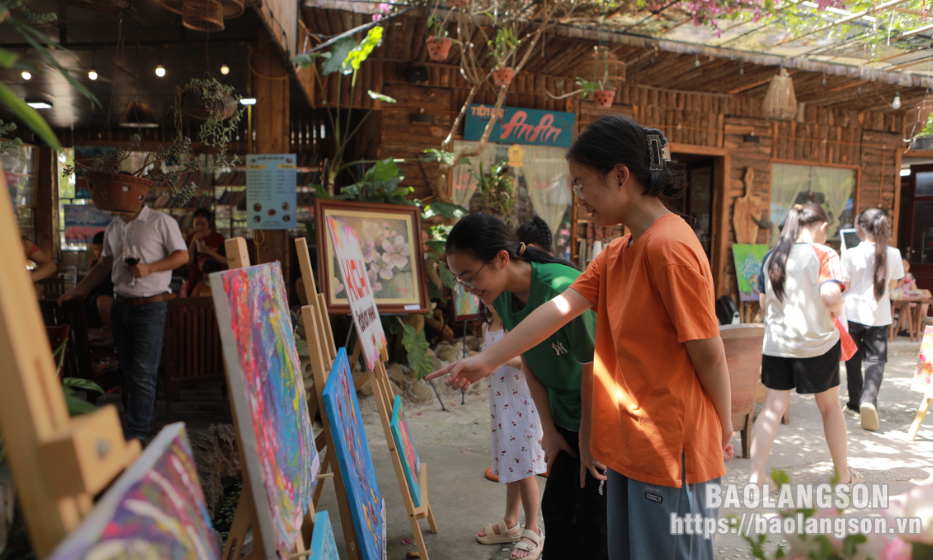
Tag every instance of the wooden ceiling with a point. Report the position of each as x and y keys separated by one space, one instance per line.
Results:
x=560 y=55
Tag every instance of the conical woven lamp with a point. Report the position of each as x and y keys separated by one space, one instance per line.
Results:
x=203 y=15
x=232 y=8
x=138 y=115
x=780 y=102
x=173 y=5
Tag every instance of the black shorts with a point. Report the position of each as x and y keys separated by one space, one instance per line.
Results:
x=807 y=375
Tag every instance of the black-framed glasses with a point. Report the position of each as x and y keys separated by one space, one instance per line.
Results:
x=468 y=284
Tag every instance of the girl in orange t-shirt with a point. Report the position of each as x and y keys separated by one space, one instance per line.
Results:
x=658 y=397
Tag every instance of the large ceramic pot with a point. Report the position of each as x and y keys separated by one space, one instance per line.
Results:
x=503 y=76
x=118 y=192
x=439 y=48
x=194 y=105
x=603 y=98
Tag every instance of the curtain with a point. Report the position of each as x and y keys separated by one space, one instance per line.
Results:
x=464 y=183
x=545 y=172
x=837 y=184
x=786 y=182
x=789 y=181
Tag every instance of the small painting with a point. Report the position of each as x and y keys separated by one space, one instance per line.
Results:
x=367 y=508
x=923 y=377
x=748 y=259
x=268 y=399
x=406 y=450
x=84 y=221
x=154 y=510
x=391 y=246
x=323 y=546
x=466 y=305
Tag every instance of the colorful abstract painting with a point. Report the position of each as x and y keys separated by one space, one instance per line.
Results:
x=268 y=399
x=83 y=221
x=748 y=260
x=358 y=289
x=323 y=546
x=367 y=508
x=466 y=305
x=406 y=448
x=154 y=510
x=923 y=377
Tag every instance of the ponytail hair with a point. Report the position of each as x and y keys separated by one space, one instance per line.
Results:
x=613 y=139
x=874 y=222
x=482 y=236
x=798 y=217
x=536 y=232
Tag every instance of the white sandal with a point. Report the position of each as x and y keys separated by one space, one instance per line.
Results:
x=533 y=550
x=506 y=534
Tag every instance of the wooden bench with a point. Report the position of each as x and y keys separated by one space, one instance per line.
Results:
x=743 y=358
x=191 y=351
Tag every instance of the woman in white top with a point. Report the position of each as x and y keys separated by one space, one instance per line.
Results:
x=869 y=270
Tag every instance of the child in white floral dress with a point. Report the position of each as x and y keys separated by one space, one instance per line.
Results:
x=517 y=455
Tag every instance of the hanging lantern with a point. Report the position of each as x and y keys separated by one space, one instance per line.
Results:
x=780 y=102
x=173 y=5
x=203 y=15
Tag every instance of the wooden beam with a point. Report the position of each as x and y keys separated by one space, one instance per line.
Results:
x=743 y=89
x=47 y=227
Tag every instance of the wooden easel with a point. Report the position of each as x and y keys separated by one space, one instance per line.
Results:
x=58 y=463
x=918 y=419
x=314 y=315
x=245 y=517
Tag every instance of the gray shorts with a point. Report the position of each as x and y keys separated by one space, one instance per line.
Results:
x=639 y=519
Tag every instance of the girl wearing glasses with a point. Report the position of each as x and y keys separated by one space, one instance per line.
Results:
x=515 y=279
x=658 y=397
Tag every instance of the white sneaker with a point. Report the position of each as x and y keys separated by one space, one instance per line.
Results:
x=870 y=417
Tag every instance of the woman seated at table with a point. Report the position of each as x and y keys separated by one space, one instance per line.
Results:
x=905 y=286
x=204 y=245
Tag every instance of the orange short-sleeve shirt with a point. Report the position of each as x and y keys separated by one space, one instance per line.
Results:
x=648 y=405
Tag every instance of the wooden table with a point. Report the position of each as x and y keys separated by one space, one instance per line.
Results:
x=913 y=324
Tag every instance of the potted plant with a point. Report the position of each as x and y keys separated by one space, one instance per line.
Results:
x=599 y=88
x=204 y=98
x=115 y=190
x=502 y=48
x=497 y=190
x=438 y=43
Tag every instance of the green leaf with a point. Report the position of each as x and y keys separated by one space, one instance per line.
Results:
x=78 y=406
x=434 y=292
x=307 y=59
x=385 y=170
x=321 y=193
x=447 y=277
x=30 y=117
x=361 y=52
x=391 y=324
x=416 y=345
x=381 y=97
x=448 y=210
x=78 y=383
x=431 y=154
x=7 y=58
x=335 y=63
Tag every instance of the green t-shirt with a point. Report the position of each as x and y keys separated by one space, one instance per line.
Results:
x=556 y=361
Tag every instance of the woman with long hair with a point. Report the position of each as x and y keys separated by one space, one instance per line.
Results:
x=537 y=233
x=515 y=278
x=656 y=404
x=869 y=270
x=801 y=290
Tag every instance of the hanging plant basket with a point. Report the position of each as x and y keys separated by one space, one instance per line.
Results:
x=100 y=5
x=203 y=15
x=117 y=192
x=439 y=48
x=196 y=106
x=780 y=102
x=603 y=98
x=503 y=76
x=458 y=3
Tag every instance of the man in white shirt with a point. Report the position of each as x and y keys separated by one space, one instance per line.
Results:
x=140 y=302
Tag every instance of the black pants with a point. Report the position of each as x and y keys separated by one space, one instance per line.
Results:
x=873 y=350
x=574 y=517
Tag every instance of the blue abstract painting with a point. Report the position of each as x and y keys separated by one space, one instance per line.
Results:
x=406 y=450
x=367 y=508
x=323 y=546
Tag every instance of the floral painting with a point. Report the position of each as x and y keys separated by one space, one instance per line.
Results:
x=390 y=240
x=748 y=259
x=923 y=377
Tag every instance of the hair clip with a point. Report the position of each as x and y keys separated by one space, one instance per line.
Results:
x=655 y=153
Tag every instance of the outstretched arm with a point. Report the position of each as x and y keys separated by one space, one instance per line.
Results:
x=534 y=329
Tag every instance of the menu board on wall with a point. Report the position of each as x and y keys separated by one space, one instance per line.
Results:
x=520 y=126
x=271 y=191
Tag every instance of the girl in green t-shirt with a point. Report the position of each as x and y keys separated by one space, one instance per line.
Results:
x=515 y=278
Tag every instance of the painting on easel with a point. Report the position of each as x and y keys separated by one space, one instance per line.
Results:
x=154 y=510
x=403 y=442
x=268 y=399
x=466 y=305
x=748 y=259
x=923 y=377
x=323 y=546
x=356 y=464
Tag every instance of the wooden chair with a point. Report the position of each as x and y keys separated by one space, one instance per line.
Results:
x=743 y=358
x=81 y=356
x=52 y=287
x=191 y=352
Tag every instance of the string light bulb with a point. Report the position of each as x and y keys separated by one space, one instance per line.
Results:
x=697 y=61
x=224 y=69
x=823 y=83
x=92 y=73
x=742 y=69
x=160 y=70
x=896 y=104
x=27 y=75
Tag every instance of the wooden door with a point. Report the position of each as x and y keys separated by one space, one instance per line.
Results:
x=916 y=233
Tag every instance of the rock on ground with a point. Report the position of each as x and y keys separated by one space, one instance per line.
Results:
x=217 y=459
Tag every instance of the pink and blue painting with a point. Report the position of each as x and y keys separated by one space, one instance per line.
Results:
x=367 y=508
x=154 y=510
x=268 y=400
x=323 y=546
x=406 y=450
